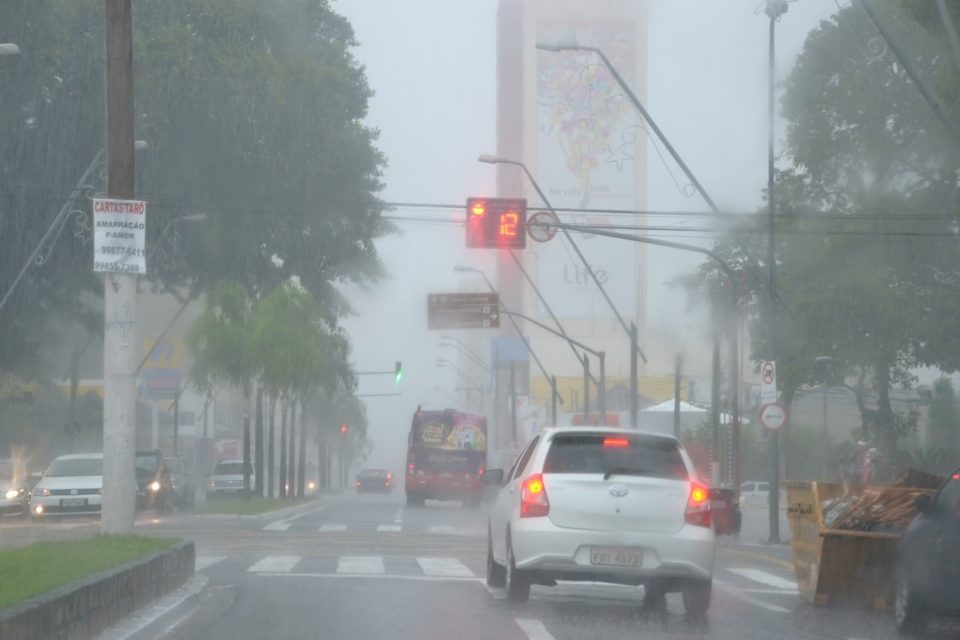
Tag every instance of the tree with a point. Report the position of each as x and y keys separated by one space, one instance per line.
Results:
x=223 y=344
x=867 y=240
x=253 y=115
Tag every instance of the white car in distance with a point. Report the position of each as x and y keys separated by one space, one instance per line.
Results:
x=602 y=504
x=71 y=485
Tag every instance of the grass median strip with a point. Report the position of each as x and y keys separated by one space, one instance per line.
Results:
x=252 y=507
x=29 y=571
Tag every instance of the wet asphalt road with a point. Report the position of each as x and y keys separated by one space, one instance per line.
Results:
x=369 y=567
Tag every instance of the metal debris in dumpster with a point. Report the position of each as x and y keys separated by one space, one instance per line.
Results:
x=844 y=538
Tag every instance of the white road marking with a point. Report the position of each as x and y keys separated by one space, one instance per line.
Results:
x=279 y=525
x=203 y=562
x=739 y=594
x=447 y=567
x=368 y=565
x=534 y=629
x=275 y=564
x=398 y=516
x=497 y=592
x=379 y=577
x=768 y=579
x=331 y=528
x=389 y=527
x=441 y=528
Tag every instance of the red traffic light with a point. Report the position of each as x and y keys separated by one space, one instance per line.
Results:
x=343 y=428
x=496 y=223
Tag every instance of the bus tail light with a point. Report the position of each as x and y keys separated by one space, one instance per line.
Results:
x=533 y=498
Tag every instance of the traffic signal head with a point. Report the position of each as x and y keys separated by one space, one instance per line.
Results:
x=397 y=372
x=496 y=223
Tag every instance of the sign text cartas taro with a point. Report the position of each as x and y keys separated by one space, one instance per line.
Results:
x=119 y=236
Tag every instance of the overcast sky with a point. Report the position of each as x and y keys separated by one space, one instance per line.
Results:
x=432 y=65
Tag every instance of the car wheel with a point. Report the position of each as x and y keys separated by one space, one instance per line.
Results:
x=517 y=582
x=496 y=572
x=696 y=597
x=909 y=613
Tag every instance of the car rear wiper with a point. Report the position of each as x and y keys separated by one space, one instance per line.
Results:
x=626 y=471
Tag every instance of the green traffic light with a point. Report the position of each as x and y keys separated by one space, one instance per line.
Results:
x=397 y=373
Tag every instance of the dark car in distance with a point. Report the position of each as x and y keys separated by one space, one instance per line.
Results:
x=928 y=572
x=154 y=482
x=181 y=482
x=374 y=481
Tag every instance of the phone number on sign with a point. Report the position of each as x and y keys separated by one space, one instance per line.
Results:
x=116 y=267
x=121 y=251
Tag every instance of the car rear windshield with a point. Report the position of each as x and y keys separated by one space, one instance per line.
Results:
x=373 y=473
x=175 y=466
x=619 y=454
x=230 y=469
x=76 y=467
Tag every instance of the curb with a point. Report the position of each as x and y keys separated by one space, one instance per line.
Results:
x=158 y=617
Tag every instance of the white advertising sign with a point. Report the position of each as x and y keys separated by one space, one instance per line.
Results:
x=589 y=156
x=119 y=236
x=768 y=382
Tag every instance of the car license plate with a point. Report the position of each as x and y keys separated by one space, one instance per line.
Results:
x=615 y=557
x=73 y=502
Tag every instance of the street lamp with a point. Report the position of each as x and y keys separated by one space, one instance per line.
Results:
x=551 y=379
x=9 y=49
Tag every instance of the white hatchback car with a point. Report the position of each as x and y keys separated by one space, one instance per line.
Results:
x=602 y=504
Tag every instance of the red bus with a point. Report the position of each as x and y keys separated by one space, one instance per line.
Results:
x=446 y=455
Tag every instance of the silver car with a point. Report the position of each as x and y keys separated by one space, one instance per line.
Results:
x=14 y=490
x=602 y=504
x=227 y=479
x=71 y=485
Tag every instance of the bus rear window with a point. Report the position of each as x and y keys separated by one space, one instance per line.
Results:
x=632 y=454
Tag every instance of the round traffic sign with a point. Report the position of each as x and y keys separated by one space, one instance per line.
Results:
x=773 y=416
x=542 y=226
x=767 y=372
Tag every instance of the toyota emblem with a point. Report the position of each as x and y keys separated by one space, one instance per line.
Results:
x=618 y=490
x=73 y=492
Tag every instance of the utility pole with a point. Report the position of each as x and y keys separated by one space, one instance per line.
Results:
x=774 y=9
x=586 y=389
x=513 y=404
x=678 y=363
x=634 y=399
x=120 y=289
x=603 y=387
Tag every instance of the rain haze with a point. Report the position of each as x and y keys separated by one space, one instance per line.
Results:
x=399 y=319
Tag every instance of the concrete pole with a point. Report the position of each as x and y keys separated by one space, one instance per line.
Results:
x=553 y=400
x=513 y=405
x=603 y=388
x=634 y=398
x=586 y=389
x=120 y=290
x=678 y=363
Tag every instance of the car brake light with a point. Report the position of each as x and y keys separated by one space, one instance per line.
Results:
x=698 y=506
x=956 y=476
x=357 y=483
x=480 y=472
x=616 y=442
x=411 y=468
x=533 y=498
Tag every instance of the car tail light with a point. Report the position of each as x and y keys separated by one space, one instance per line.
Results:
x=616 y=442
x=956 y=476
x=411 y=468
x=698 y=506
x=480 y=472
x=533 y=498
x=357 y=483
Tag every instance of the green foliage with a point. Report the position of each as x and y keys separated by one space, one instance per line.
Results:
x=222 y=342
x=868 y=258
x=252 y=110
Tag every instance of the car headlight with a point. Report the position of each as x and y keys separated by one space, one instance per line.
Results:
x=40 y=492
x=154 y=486
x=13 y=493
x=213 y=484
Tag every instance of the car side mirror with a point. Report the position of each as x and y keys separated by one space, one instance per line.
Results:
x=923 y=503
x=492 y=477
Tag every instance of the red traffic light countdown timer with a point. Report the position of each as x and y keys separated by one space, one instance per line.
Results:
x=496 y=223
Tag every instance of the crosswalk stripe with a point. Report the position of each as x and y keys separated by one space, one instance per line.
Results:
x=279 y=525
x=275 y=564
x=763 y=577
x=447 y=567
x=202 y=562
x=361 y=564
x=389 y=527
x=440 y=528
x=330 y=528
x=534 y=629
